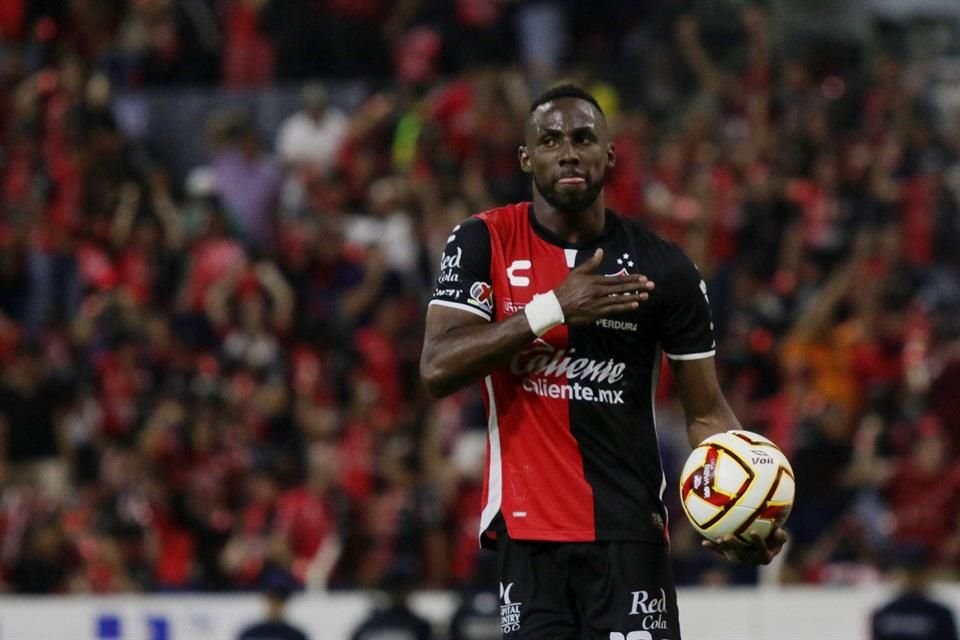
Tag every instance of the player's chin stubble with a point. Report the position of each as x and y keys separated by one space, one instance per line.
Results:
x=569 y=201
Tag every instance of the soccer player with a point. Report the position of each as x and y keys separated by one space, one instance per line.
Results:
x=552 y=304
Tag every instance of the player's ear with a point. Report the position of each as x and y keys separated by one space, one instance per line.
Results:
x=524 y=157
x=611 y=156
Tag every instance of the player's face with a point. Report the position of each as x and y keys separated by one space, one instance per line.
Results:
x=569 y=153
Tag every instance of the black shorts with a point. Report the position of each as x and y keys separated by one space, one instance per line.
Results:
x=586 y=591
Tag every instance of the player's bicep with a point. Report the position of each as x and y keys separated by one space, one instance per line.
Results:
x=442 y=319
x=442 y=338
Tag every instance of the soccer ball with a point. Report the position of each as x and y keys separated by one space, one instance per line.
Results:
x=736 y=483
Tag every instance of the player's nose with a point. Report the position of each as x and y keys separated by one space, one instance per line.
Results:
x=569 y=154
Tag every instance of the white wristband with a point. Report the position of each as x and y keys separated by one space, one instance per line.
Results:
x=543 y=313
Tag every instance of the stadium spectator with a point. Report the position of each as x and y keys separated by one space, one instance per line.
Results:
x=248 y=53
x=912 y=614
x=394 y=617
x=274 y=626
x=477 y=617
x=310 y=139
x=248 y=181
x=923 y=490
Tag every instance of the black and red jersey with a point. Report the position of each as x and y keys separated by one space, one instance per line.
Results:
x=572 y=451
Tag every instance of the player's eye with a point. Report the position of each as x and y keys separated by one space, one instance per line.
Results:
x=548 y=141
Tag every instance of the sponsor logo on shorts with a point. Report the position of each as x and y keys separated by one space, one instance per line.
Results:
x=509 y=610
x=652 y=607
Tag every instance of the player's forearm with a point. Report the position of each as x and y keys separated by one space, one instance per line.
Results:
x=702 y=427
x=704 y=406
x=456 y=358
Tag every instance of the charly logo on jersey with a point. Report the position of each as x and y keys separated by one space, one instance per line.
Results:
x=481 y=295
x=559 y=373
x=514 y=273
x=509 y=610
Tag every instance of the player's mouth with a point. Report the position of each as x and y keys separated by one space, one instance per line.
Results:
x=574 y=180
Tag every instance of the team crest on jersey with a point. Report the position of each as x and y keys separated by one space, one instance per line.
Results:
x=481 y=295
x=624 y=262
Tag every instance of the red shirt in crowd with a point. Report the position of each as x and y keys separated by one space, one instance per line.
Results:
x=925 y=504
x=306 y=520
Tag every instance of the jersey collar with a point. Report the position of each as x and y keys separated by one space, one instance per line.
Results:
x=549 y=236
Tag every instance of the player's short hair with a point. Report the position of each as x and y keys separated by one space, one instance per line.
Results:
x=565 y=91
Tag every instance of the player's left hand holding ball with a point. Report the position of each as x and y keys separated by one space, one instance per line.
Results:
x=737 y=489
x=759 y=551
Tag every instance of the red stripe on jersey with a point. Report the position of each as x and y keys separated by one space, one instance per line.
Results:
x=544 y=494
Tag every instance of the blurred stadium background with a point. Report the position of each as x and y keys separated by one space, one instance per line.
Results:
x=220 y=220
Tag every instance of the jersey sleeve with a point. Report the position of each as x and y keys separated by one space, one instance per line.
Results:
x=687 y=325
x=464 y=279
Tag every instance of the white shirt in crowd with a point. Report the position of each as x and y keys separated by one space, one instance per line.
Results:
x=305 y=140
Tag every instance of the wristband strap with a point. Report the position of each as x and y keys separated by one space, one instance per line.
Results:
x=543 y=313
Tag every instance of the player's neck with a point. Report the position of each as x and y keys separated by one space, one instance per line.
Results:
x=571 y=226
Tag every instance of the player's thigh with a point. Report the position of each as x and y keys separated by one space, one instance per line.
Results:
x=625 y=591
x=535 y=600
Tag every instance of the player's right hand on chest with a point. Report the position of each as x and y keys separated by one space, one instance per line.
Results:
x=586 y=295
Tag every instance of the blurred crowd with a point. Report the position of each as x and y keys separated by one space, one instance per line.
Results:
x=213 y=385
